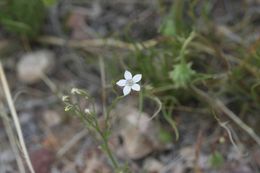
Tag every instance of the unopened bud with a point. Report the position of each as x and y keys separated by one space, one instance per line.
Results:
x=68 y=108
x=65 y=98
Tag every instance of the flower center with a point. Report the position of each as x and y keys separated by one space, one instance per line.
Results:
x=129 y=82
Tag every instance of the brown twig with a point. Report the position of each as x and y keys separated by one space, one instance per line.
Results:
x=218 y=105
x=99 y=42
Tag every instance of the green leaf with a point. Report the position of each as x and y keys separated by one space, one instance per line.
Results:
x=15 y=26
x=182 y=75
x=174 y=24
x=168 y=28
x=216 y=159
x=23 y=17
x=165 y=136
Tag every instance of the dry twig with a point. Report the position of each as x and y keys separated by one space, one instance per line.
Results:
x=15 y=118
x=218 y=105
x=96 y=43
x=12 y=138
x=103 y=85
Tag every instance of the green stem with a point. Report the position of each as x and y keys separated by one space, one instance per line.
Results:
x=164 y=88
x=184 y=46
x=107 y=149
x=95 y=125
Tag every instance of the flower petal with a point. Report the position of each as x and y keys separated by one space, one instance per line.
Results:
x=121 y=82
x=127 y=75
x=126 y=90
x=136 y=87
x=137 y=78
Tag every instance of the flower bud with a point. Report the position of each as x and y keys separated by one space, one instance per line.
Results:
x=65 y=98
x=79 y=92
x=68 y=108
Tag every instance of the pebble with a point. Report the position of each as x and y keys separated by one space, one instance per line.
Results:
x=140 y=135
x=32 y=65
x=153 y=165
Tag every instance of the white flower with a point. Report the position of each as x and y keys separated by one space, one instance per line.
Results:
x=130 y=82
x=87 y=111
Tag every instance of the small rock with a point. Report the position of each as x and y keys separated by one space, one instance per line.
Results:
x=51 y=118
x=136 y=145
x=153 y=166
x=32 y=65
x=139 y=133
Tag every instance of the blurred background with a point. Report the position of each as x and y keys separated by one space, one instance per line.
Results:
x=205 y=95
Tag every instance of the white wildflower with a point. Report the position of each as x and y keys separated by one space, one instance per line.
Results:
x=87 y=111
x=129 y=82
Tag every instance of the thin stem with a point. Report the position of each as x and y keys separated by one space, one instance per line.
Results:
x=184 y=46
x=94 y=124
x=163 y=88
x=107 y=149
x=103 y=84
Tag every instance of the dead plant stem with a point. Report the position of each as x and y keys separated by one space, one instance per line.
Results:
x=218 y=105
x=12 y=138
x=15 y=118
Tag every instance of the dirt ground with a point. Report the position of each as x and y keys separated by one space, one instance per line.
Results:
x=58 y=142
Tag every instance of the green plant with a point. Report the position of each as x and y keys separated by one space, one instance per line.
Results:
x=22 y=17
x=90 y=118
x=173 y=24
x=216 y=159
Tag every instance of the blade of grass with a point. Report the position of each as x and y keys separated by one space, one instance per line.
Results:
x=12 y=138
x=15 y=118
